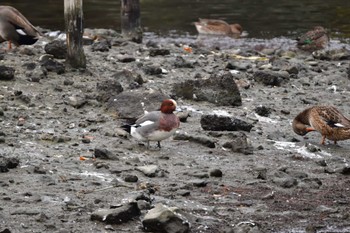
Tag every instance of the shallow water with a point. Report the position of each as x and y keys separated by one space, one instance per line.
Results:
x=260 y=18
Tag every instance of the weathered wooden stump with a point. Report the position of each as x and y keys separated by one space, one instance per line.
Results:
x=73 y=15
x=130 y=20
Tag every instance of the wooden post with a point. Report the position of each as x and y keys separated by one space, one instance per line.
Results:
x=130 y=20
x=73 y=15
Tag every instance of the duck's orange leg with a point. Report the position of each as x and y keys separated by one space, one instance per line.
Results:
x=323 y=139
x=9 y=45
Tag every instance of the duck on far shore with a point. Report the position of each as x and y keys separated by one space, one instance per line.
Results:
x=313 y=40
x=327 y=120
x=218 y=27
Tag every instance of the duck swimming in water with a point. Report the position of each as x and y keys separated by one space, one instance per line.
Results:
x=218 y=27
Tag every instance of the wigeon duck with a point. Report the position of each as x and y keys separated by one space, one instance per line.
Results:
x=313 y=40
x=218 y=27
x=15 y=28
x=156 y=125
x=327 y=120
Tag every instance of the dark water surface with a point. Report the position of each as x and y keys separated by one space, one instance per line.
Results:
x=260 y=18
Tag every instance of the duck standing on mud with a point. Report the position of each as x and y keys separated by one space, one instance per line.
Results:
x=314 y=39
x=327 y=120
x=156 y=125
x=15 y=28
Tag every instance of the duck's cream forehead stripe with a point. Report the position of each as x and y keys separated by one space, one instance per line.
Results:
x=174 y=102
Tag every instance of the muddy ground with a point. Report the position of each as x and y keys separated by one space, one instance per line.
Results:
x=52 y=123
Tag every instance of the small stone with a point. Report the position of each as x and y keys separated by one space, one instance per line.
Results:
x=125 y=58
x=101 y=46
x=215 y=173
x=199 y=183
x=224 y=123
x=56 y=48
x=271 y=78
x=121 y=214
x=263 y=111
x=131 y=178
x=148 y=170
x=53 y=66
x=159 y=52
x=6 y=73
x=163 y=219
x=103 y=153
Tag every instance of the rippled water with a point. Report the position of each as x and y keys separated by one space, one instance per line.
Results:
x=260 y=18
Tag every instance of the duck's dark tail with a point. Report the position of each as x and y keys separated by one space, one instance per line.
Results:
x=127 y=128
x=27 y=40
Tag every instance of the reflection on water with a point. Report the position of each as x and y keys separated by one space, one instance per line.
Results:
x=260 y=18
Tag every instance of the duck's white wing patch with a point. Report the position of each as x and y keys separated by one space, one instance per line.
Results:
x=134 y=133
x=20 y=31
x=339 y=125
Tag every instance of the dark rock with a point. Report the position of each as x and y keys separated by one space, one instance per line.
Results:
x=101 y=46
x=215 y=173
x=332 y=55
x=57 y=48
x=12 y=162
x=7 y=163
x=199 y=183
x=292 y=70
x=103 y=153
x=152 y=70
x=239 y=143
x=224 y=123
x=219 y=89
x=238 y=66
x=271 y=78
x=124 y=58
x=180 y=62
x=131 y=178
x=6 y=230
x=6 y=73
x=183 y=115
x=30 y=65
x=263 y=111
x=122 y=214
x=133 y=104
x=165 y=220
x=75 y=101
x=40 y=169
x=345 y=170
x=108 y=88
x=68 y=82
x=158 y=52
x=197 y=139
x=52 y=65
x=283 y=179
x=128 y=78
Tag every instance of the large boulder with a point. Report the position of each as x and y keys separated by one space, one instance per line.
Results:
x=132 y=104
x=220 y=89
x=165 y=220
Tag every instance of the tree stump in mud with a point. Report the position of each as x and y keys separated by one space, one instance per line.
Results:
x=73 y=15
x=130 y=20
